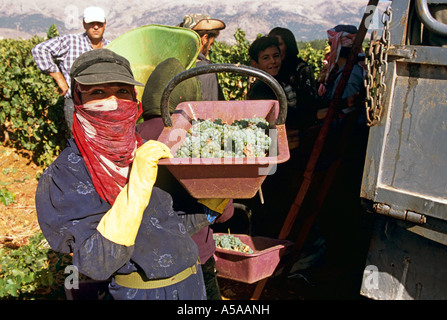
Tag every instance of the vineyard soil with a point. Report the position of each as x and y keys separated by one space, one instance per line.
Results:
x=18 y=176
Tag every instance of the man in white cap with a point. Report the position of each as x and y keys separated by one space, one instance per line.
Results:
x=65 y=49
x=208 y=30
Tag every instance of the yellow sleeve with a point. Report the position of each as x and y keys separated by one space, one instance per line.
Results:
x=121 y=223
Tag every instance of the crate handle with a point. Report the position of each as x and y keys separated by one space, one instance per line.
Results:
x=223 y=67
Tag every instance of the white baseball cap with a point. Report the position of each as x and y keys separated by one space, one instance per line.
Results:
x=94 y=14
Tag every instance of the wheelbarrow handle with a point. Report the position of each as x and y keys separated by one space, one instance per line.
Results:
x=223 y=67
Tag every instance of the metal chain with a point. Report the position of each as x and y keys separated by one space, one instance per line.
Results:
x=376 y=62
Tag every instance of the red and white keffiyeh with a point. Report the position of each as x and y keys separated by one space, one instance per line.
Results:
x=105 y=134
x=338 y=40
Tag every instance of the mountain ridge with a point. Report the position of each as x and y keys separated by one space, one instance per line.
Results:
x=307 y=19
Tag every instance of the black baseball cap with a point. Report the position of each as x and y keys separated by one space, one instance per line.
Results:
x=102 y=66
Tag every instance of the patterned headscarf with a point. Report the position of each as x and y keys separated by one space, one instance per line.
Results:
x=340 y=36
x=105 y=134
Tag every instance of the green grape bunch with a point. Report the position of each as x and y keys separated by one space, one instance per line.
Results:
x=230 y=242
x=217 y=139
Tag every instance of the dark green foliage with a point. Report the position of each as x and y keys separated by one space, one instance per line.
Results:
x=31 y=110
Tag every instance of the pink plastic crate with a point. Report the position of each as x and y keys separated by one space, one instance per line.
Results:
x=251 y=267
x=237 y=178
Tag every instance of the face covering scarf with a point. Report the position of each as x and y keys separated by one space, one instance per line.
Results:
x=105 y=134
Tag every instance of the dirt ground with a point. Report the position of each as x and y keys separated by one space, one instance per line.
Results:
x=338 y=278
x=18 y=174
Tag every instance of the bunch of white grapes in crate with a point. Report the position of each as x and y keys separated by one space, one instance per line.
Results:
x=215 y=139
x=231 y=242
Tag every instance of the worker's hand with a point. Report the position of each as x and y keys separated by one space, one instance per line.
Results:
x=217 y=205
x=321 y=114
x=152 y=151
x=351 y=101
x=145 y=166
x=62 y=91
x=146 y=159
x=61 y=82
x=217 y=209
x=121 y=223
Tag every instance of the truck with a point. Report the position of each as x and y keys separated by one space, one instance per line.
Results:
x=404 y=183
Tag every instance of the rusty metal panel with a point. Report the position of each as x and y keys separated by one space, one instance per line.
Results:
x=407 y=153
x=406 y=160
x=415 y=148
x=399 y=25
x=402 y=265
x=418 y=54
x=405 y=172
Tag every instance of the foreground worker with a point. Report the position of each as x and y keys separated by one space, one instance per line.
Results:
x=97 y=199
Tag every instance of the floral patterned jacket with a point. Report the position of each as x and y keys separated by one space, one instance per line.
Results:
x=69 y=210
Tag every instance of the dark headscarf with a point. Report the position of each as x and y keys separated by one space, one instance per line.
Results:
x=290 y=63
x=291 y=60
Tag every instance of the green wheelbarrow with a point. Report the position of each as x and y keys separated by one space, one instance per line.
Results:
x=145 y=47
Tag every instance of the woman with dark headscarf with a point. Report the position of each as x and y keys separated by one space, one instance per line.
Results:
x=297 y=79
x=97 y=200
x=289 y=50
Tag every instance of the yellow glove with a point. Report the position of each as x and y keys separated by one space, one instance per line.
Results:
x=217 y=205
x=121 y=223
